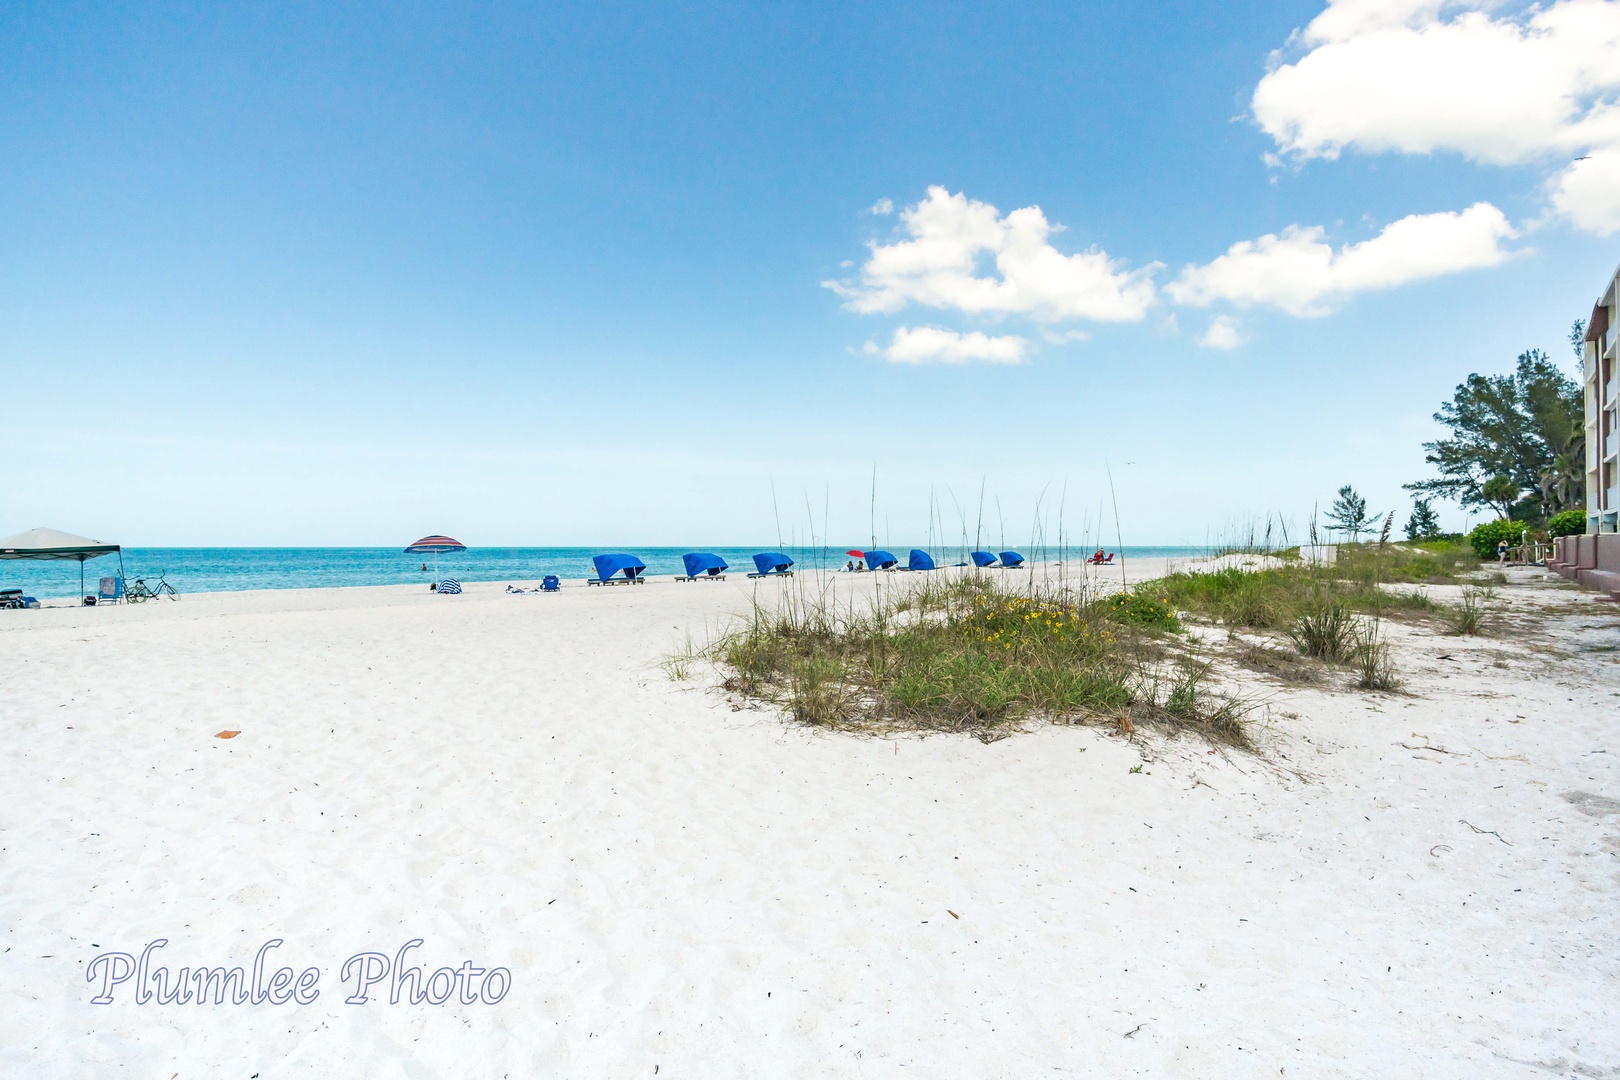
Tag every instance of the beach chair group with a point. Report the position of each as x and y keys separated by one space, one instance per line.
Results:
x=917 y=560
x=621 y=568
x=1006 y=560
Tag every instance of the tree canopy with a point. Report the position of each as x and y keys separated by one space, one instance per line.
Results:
x=1521 y=432
x=1349 y=513
x=1424 y=524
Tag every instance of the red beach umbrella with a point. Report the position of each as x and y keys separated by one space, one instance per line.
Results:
x=856 y=554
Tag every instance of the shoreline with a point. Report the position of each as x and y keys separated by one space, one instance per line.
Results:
x=1048 y=570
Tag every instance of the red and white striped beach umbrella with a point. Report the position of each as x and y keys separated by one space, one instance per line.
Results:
x=435 y=545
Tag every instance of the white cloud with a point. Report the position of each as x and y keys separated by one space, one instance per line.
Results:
x=1065 y=337
x=929 y=345
x=1223 y=334
x=949 y=236
x=1420 y=76
x=883 y=206
x=1299 y=272
x=1588 y=192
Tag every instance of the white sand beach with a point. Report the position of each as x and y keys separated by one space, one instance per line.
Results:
x=1416 y=884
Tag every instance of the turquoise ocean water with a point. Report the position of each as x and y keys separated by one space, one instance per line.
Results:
x=197 y=570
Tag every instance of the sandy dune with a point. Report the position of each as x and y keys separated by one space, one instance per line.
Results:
x=1415 y=885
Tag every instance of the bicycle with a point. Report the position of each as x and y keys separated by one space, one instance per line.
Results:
x=140 y=591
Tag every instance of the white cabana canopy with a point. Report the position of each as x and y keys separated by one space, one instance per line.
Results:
x=53 y=544
x=56 y=544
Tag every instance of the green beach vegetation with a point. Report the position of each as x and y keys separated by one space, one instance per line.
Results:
x=977 y=653
x=1568 y=523
x=1485 y=536
x=983 y=652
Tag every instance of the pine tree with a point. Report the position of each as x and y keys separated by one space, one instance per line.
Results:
x=1424 y=524
x=1349 y=513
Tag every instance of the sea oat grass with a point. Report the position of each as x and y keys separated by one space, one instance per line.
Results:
x=1326 y=631
x=1467 y=617
x=1374 y=665
x=970 y=655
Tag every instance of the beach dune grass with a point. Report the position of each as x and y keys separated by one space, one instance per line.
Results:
x=968 y=654
x=1279 y=597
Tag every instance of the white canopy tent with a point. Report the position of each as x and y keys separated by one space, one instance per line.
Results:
x=56 y=544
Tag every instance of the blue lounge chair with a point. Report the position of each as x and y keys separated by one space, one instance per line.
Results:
x=772 y=564
x=982 y=559
x=702 y=564
x=13 y=598
x=1011 y=560
x=550 y=583
x=609 y=565
x=111 y=590
x=881 y=560
x=919 y=560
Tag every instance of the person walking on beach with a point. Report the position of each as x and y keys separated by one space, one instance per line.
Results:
x=1501 y=552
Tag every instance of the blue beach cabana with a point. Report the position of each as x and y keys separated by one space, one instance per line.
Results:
x=982 y=559
x=608 y=566
x=1011 y=560
x=919 y=560
x=880 y=560
x=702 y=564
x=772 y=564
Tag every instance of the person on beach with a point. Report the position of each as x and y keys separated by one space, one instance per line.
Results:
x=1501 y=552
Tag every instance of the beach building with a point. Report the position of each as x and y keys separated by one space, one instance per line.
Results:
x=1594 y=559
x=1602 y=411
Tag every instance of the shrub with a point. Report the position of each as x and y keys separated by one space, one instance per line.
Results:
x=1569 y=523
x=1327 y=631
x=1144 y=609
x=1487 y=534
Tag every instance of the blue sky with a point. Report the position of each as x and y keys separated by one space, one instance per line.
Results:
x=613 y=275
